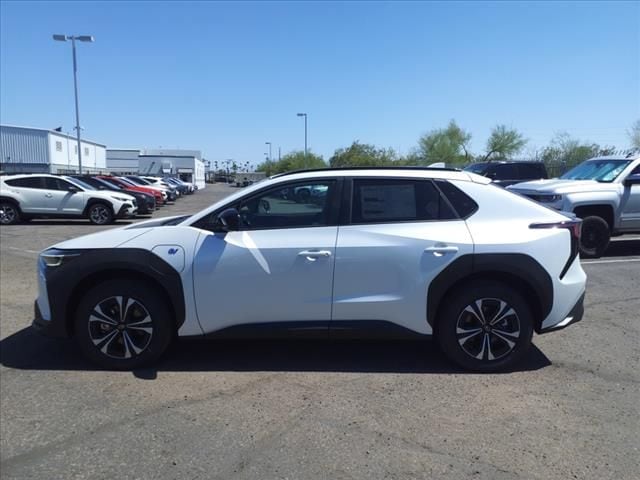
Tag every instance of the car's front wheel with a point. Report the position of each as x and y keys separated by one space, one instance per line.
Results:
x=485 y=326
x=100 y=214
x=122 y=324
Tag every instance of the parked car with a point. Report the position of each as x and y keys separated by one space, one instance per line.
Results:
x=160 y=195
x=172 y=193
x=23 y=197
x=506 y=173
x=401 y=252
x=180 y=189
x=188 y=187
x=604 y=192
x=146 y=201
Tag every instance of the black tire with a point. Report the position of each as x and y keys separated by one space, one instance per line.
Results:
x=595 y=237
x=9 y=213
x=469 y=342
x=117 y=343
x=100 y=214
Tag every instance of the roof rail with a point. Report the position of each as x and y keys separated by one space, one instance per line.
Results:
x=329 y=169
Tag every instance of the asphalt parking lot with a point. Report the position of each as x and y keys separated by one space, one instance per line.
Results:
x=303 y=410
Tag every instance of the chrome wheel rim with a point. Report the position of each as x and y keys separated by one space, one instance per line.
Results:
x=99 y=214
x=7 y=214
x=488 y=329
x=120 y=327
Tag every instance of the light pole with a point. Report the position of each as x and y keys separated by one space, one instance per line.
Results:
x=269 y=143
x=305 y=136
x=73 y=38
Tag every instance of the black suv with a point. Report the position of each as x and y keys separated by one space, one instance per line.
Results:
x=506 y=173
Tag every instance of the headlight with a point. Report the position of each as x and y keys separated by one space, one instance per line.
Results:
x=550 y=198
x=122 y=199
x=55 y=258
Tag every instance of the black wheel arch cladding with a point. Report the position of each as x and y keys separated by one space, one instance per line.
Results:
x=68 y=283
x=522 y=269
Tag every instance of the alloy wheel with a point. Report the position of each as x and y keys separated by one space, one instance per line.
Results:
x=120 y=327
x=100 y=214
x=8 y=214
x=488 y=329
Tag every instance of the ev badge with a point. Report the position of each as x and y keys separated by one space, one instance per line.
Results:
x=172 y=251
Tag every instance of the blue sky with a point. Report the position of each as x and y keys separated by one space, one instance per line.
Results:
x=226 y=77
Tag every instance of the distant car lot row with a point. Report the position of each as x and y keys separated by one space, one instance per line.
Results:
x=99 y=198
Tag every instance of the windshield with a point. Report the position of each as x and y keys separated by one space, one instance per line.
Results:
x=476 y=168
x=80 y=183
x=108 y=184
x=599 y=170
x=128 y=182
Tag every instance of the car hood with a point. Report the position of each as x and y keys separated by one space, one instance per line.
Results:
x=112 y=195
x=115 y=237
x=560 y=186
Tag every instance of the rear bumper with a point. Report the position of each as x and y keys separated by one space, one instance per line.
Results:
x=574 y=316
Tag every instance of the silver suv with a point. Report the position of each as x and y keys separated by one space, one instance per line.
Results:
x=604 y=192
x=23 y=197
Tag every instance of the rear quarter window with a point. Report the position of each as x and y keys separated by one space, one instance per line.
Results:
x=26 y=182
x=462 y=203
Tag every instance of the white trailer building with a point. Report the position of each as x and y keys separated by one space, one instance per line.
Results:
x=38 y=150
x=185 y=164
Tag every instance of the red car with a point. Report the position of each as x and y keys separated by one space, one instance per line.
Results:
x=160 y=198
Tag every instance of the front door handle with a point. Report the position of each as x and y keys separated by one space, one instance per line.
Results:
x=48 y=195
x=314 y=254
x=439 y=250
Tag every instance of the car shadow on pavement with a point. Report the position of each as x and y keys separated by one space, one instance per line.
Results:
x=28 y=350
x=622 y=248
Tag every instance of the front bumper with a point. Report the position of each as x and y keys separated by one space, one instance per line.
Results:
x=127 y=210
x=574 y=316
x=48 y=328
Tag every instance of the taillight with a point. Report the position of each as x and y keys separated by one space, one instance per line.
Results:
x=575 y=229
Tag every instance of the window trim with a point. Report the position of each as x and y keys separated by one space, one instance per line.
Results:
x=346 y=217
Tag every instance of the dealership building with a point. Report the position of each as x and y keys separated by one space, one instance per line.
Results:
x=38 y=150
x=185 y=164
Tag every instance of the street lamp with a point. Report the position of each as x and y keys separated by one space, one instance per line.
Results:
x=268 y=143
x=305 y=136
x=73 y=38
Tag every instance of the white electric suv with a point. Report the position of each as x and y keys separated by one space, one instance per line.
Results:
x=23 y=197
x=394 y=252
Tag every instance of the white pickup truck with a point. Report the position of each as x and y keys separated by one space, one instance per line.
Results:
x=604 y=192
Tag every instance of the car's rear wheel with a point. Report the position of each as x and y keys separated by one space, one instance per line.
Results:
x=122 y=324
x=485 y=326
x=100 y=214
x=595 y=236
x=9 y=213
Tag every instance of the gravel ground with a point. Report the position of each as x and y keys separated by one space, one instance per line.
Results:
x=313 y=410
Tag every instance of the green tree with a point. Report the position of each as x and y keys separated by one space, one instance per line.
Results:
x=634 y=135
x=565 y=152
x=449 y=145
x=295 y=160
x=503 y=143
x=363 y=155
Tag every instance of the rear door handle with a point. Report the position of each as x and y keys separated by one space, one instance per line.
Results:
x=314 y=254
x=439 y=250
x=48 y=195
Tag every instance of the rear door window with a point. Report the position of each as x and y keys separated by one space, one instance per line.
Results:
x=397 y=200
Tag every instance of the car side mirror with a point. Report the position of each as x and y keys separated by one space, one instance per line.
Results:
x=228 y=220
x=632 y=180
x=73 y=189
